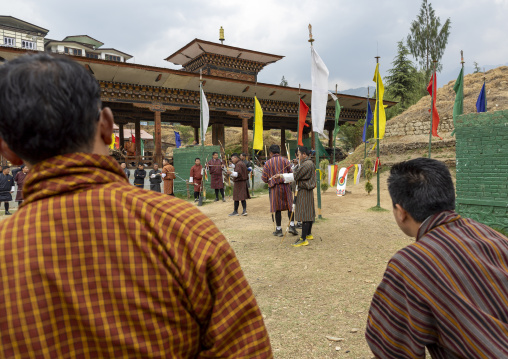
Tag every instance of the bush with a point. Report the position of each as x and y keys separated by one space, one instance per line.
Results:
x=369 y=173
x=323 y=165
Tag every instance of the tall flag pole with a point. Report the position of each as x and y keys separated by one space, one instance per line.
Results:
x=337 y=115
x=368 y=122
x=458 y=106
x=481 y=103
x=434 y=115
x=319 y=75
x=378 y=109
x=203 y=131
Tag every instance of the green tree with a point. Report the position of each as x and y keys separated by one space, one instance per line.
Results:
x=283 y=82
x=427 y=39
x=351 y=134
x=403 y=78
x=477 y=68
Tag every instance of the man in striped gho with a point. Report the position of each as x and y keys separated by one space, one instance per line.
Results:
x=281 y=197
x=448 y=291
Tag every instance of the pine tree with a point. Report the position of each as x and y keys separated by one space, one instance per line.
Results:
x=477 y=68
x=403 y=79
x=427 y=39
x=283 y=82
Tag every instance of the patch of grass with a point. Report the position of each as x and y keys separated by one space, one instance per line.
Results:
x=503 y=231
x=377 y=209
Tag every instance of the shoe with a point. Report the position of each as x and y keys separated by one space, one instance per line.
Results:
x=278 y=233
x=301 y=242
x=310 y=236
x=196 y=199
x=292 y=230
x=298 y=225
x=235 y=213
x=223 y=200
x=8 y=213
x=244 y=213
x=216 y=200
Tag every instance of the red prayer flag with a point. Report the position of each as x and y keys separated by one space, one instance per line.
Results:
x=133 y=139
x=304 y=109
x=435 y=115
x=117 y=142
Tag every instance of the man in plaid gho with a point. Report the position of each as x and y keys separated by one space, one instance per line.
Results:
x=92 y=267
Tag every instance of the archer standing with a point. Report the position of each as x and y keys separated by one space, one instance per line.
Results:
x=215 y=166
x=240 y=177
x=139 y=176
x=155 y=178
x=249 y=165
x=168 y=174
x=196 y=176
x=281 y=196
x=6 y=188
x=304 y=176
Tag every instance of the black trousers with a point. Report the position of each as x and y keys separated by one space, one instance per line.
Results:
x=6 y=206
x=306 y=229
x=196 y=195
x=221 y=193
x=244 y=205
x=278 y=217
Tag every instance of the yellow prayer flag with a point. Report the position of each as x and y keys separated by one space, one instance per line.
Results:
x=355 y=175
x=379 y=100
x=112 y=145
x=258 y=126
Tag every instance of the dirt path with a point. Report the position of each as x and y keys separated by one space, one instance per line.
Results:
x=325 y=288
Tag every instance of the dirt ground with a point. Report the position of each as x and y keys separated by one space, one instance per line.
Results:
x=324 y=289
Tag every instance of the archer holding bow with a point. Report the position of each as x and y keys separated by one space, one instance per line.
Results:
x=281 y=196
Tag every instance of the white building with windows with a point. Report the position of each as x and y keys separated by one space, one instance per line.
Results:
x=21 y=34
x=85 y=46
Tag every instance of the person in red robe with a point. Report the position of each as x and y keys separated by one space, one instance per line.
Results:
x=92 y=266
x=20 y=180
x=215 y=166
x=196 y=177
x=240 y=176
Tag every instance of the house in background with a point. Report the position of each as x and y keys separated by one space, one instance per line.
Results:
x=85 y=46
x=21 y=34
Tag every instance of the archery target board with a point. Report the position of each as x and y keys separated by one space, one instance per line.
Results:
x=341 y=182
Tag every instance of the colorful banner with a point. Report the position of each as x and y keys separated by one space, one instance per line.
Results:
x=358 y=173
x=332 y=175
x=341 y=183
x=258 y=126
x=304 y=109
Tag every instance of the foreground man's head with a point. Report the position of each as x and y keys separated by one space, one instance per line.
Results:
x=60 y=111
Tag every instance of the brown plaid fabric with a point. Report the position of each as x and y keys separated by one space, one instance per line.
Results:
x=92 y=267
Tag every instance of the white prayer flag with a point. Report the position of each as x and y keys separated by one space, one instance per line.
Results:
x=206 y=116
x=319 y=75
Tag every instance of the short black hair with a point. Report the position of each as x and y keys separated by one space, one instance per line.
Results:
x=165 y=159
x=422 y=187
x=140 y=164
x=5 y=167
x=243 y=154
x=49 y=106
x=303 y=149
x=197 y=158
x=235 y=155
x=213 y=153
x=274 y=149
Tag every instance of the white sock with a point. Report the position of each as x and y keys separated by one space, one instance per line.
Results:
x=278 y=228
x=292 y=223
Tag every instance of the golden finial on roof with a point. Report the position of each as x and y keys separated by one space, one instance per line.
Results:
x=221 y=35
x=311 y=40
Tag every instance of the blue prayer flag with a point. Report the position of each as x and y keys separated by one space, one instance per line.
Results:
x=178 y=141
x=368 y=121
x=481 y=103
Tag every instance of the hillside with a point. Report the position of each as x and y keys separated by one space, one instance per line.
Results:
x=407 y=135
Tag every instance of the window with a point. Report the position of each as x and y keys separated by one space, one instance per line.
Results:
x=9 y=41
x=92 y=55
x=113 y=58
x=30 y=45
x=72 y=51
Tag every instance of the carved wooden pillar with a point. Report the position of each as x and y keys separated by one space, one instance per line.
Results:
x=245 y=135
x=120 y=135
x=158 y=138
x=330 y=138
x=137 y=135
x=283 y=151
x=218 y=135
x=313 y=140
x=196 y=134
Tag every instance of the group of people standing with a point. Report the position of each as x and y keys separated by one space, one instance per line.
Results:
x=156 y=176
x=7 y=185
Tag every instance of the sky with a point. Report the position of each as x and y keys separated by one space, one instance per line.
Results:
x=348 y=34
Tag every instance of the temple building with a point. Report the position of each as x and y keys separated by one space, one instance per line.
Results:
x=139 y=93
x=85 y=46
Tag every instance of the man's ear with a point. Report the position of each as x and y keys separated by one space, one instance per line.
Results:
x=401 y=213
x=9 y=154
x=106 y=122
